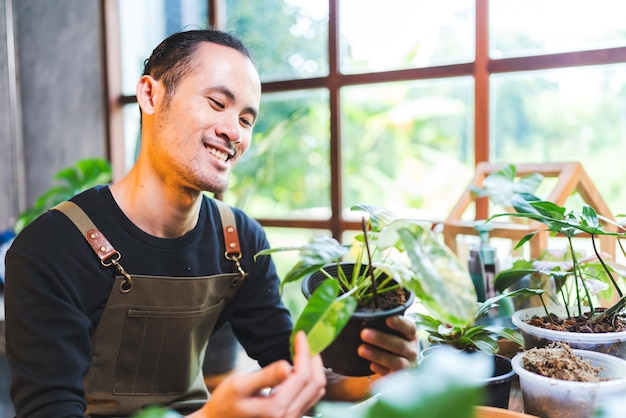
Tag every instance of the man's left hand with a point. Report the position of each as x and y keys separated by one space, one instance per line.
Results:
x=388 y=352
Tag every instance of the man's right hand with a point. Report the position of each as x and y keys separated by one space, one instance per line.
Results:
x=279 y=390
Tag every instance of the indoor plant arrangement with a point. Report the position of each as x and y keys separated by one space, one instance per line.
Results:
x=403 y=249
x=410 y=251
x=576 y=319
x=336 y=288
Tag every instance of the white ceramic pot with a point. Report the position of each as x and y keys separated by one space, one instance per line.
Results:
x=613 y=343
x=552 y=398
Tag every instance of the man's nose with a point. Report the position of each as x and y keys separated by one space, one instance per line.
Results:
x=229 y=129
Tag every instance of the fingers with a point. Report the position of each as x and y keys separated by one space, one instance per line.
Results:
x=295 y=389
x=404 y=326
x=389 y=352
x=308 y=380
x=268 y=377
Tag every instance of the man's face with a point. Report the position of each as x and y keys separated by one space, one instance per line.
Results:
x=203 y=129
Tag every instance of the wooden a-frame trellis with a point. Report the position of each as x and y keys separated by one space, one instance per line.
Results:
x=570 y=177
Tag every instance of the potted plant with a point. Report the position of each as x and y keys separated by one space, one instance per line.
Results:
x=346 y=296
x=451 y=311
x=575 y=318
x=428 y=268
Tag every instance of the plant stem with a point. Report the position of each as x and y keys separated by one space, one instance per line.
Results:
x=611 y=311
x=608 y=272
x=545 y=308
x=370 y=271
x=577 y=277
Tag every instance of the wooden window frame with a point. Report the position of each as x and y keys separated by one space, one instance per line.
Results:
x=480 y=69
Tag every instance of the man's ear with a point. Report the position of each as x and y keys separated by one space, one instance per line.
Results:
x=149 y=92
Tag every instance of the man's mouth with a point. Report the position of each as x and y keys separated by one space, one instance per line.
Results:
x=220 y=155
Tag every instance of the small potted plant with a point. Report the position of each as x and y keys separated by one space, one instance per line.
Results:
x=575 y=318
x=347 y=296
x=450 y=310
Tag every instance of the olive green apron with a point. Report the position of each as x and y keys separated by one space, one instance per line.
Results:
x=149 y=345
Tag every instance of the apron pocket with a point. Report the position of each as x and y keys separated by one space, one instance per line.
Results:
x=154 y=346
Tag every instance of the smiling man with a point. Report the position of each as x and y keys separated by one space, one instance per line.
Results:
x=112 y=297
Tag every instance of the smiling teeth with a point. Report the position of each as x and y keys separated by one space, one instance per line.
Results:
x=222 y=156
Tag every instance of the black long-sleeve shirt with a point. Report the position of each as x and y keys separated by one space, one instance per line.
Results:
x=56 y=290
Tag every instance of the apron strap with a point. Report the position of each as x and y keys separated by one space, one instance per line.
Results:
x=110 y=256
x=98 y=242
x=231 y=238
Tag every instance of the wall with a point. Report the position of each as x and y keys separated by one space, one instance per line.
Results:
x=57 y=114
x=61 y=95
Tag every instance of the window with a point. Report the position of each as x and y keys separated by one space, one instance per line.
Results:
x=394 y=103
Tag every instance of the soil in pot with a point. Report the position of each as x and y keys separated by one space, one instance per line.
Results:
x=539 y=331
x=579 y=323
x=559 y=362
x=558 y=382
x=341 y=355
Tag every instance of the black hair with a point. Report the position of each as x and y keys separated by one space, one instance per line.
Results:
x=173 y=58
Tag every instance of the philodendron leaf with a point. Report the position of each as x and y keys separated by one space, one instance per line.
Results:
x=501 y=185
x=324 y=316
x=441 y=282
x=379 y=217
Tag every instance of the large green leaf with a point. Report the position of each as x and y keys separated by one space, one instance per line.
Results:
x=324 y=316
x=442 y=282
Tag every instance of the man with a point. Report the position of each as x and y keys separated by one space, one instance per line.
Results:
x=110 y=299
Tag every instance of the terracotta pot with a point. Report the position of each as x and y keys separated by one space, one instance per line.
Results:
x=341 y=355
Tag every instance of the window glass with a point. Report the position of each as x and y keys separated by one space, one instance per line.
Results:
x=403 y=34
x=132 y=134
x=561 y=115
x=406 y=145
x=145 y=23
x=533 y=27
x=286 y=171
x=288 y=38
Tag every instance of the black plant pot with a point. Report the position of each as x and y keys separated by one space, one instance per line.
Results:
x=341 y=355
x=498 y=386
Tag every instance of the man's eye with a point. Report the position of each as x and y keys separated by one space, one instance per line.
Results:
x=216 y=103
x=247 y=122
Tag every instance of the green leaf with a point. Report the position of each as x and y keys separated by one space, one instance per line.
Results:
x=379 y=217
x=324 y=316
x=314 y=255
x=74 y=179
x=442 y=282
x=502 y=185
